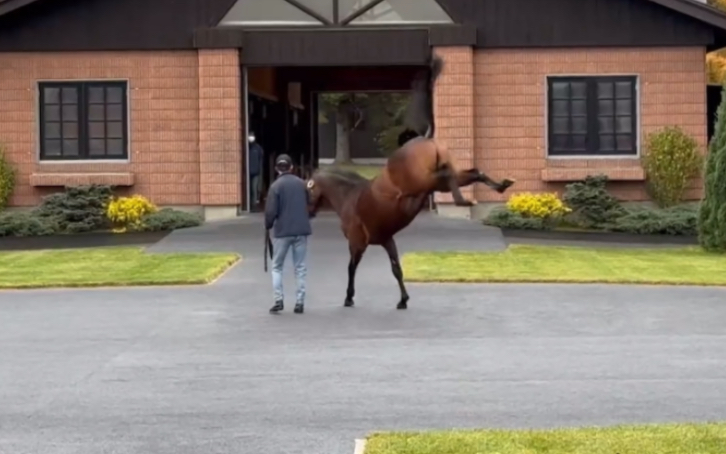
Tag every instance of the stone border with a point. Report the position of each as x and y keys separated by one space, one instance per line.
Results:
x=80 y=241
x=360 y=446
x=602 y=237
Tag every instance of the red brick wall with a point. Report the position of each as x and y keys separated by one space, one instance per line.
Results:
x=164 y=118
x=509 y=87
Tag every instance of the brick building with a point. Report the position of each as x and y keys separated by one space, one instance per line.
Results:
x=157 y=96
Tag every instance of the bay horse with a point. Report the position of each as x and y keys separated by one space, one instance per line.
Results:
x=422 y=165
x=371 y=214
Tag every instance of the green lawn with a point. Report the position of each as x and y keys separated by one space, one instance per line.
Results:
x=368 y=171
x=530 y=263
x=642 y=439
x=113 y=266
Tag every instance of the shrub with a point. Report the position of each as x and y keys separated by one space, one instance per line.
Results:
x=7 y=179
x=505 y=219
x=77 y=209
x=26 y=224
x=712 y=215
x=592 y=206
x=127 y=212
x=168 y=219
x=671 y=160
x=677 y=220
x=542 y=205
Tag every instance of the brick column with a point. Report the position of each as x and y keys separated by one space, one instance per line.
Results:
x=220 y=131
x=454 y=109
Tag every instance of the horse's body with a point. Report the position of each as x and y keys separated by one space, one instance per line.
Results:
x=373 y=211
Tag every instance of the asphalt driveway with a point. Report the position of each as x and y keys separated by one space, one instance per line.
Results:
x=208 y=370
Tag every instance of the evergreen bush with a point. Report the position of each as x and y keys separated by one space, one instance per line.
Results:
x=7 y=179
x=712 y=214
x=593 y=207
x=77 y=209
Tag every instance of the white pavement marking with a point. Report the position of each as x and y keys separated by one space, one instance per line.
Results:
x=360 y=446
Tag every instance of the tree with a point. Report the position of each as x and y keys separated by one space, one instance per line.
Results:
x=383 y=111
x=716 y=60
x=712 y=212
x=347 y=109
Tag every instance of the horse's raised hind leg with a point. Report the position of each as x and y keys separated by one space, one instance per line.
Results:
x=446 y=172
x=390 y=247
x=356 y=254
x=500 y=187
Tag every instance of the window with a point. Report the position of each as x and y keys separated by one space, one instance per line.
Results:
x=334 y=12
x=83 y=120
x=592 y=116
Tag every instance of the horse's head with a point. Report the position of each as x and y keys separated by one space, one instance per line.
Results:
x=332 y=187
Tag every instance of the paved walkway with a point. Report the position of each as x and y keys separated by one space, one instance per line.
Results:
x=207 y=369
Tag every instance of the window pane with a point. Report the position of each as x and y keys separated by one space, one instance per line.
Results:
x=51 y=95
x=97 y=147
x=114 y=130
x=607 y=142
x=578 y=90
x=266 y=12
x=52 y=130
x=579 y=125
x=52 y=148
x=115 y=147
x=96 y=112
x=70 y=130
x=560 y=125
x=322 y=7
x=70 y=113
x=96 y=130
x=69 y=95
x=70 y=148
x=578 y=142
x=403 y=11
x=624 y=107
x=579 y=107
x=51 y=113
x=95 y=95
x=624 y=142
x=560 y=108
x=114 y=95
x=605 y=90
x=560 y=90
x=623 y=90
x=559 y=141
x=605 y=124
x=624 y=125
x=605 y=107
x=114 y=112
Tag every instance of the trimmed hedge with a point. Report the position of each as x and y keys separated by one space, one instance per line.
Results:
x=593 y=208
x=83 y=209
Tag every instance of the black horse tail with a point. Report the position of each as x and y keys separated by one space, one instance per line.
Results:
x=420 y=112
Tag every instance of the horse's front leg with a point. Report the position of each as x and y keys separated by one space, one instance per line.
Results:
x=392 y=250
x=356 y=250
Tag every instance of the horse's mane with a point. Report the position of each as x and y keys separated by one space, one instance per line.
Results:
x=346 y=178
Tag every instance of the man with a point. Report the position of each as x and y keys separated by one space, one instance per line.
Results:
x=287 y=210
x=255 y=163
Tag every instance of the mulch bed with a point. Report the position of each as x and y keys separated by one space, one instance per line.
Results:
x=598 y=236
x=81 y=240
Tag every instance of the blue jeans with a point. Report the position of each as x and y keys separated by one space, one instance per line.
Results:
x=280 y=246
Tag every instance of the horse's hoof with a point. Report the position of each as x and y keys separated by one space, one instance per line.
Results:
x=402 y=305
x=348 y=303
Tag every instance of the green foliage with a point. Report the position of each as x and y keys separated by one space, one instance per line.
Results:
x=168 y=219
x=592 y=205
x=671 y=160
x=712 y=216
x=676 y=220
x=505 y=219
x=77 y=209
x=7 y=179
x=21 y=223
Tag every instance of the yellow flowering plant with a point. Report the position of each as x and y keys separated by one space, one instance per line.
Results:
x=541 y=205
x=127 y=212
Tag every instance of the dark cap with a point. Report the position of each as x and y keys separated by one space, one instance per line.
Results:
x=283 y=161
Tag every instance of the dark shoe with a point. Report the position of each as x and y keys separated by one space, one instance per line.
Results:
x=277 y=307
x=299 y=309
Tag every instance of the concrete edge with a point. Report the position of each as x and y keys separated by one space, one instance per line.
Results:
x=360 y=446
